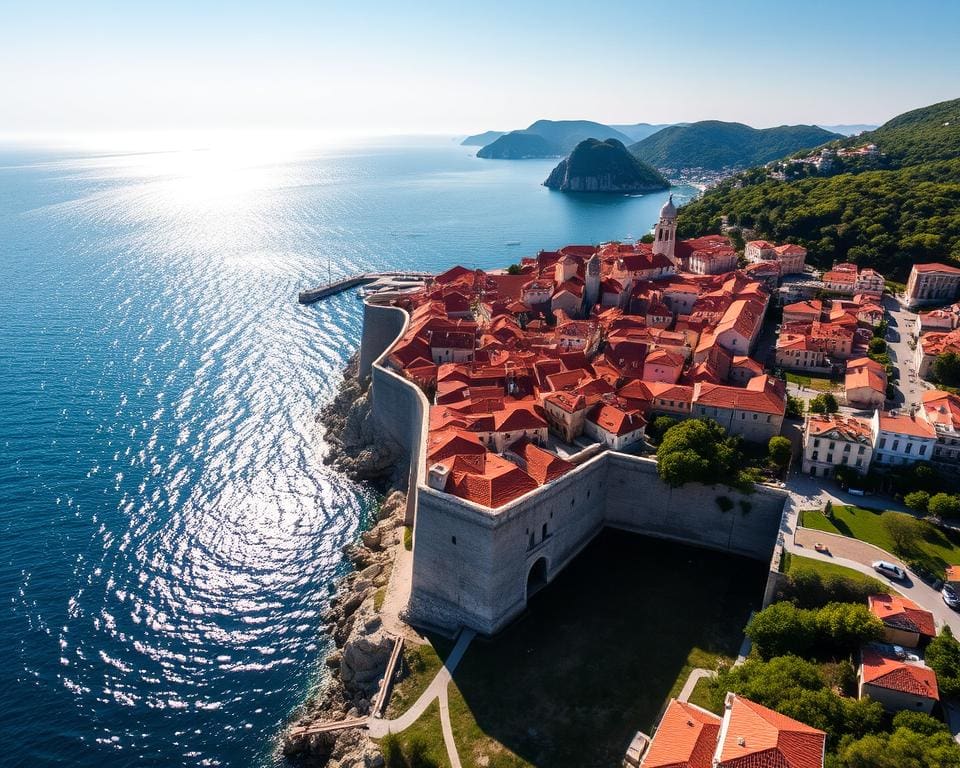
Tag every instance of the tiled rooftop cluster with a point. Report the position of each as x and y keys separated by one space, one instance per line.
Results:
x=585 y=340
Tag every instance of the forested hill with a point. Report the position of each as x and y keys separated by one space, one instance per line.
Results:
x=901 y=208
x=715 y=145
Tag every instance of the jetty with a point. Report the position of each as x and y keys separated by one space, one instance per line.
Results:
x=377 y=281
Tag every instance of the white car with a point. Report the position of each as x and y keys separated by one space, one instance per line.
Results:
x=889 y=570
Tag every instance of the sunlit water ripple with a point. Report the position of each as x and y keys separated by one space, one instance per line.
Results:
x=169 y=531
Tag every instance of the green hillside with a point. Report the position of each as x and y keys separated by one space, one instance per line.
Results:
x=604 y=166
x=519 y=145
x=899 y=209
x=716 y=145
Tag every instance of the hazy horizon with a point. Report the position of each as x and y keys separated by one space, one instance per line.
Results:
x=336 y=70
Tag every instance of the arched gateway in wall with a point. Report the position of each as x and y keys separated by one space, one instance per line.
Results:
x=537 y=577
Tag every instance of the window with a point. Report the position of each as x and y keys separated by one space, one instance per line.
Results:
x=544 y=535
x=908 y=448
x=896 y=445
x=816 y=443
x=923 y=450
x=861 y=450
x=846 y=448
x=453 y=540
x=883 y=442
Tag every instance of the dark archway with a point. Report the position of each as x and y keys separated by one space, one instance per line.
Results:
x=537 y=577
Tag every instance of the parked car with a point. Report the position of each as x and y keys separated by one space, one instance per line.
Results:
x=857 y=492
x=950 y=597
x=889 y=570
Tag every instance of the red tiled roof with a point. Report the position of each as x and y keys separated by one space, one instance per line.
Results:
x=615 y=420
x=847 y=427
x=936 y=267
x=906 y=425
x=488 y=479
x=900 y=613
x=685 y=738
x=757 y=737
x=913 y=679
x=541 y=465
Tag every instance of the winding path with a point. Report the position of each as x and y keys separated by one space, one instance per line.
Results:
x=378 y=727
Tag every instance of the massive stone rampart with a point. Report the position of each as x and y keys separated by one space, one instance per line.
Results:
x=476 y=567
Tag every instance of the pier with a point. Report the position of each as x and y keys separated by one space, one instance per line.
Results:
x=376 y=280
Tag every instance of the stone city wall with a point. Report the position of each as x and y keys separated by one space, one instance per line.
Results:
x=472 y=565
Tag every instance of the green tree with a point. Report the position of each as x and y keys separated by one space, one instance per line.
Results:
x=698 y=450
x=782 y=629
x=795 y=407
x=659 y=426
x=846 y=626
x=877 y=345
x=779 y=449
x=917 y=501
x=904 y=748
x=513 y=269
x=943 y=657
x=647 y=238
x=946 y=368
x=944 y=505
x=904 y=530
x=824 y=403
x=919 y=722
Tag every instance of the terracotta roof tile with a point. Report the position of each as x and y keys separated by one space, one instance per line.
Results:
x=914 y=679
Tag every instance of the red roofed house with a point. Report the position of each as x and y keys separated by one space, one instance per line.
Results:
x=897 y=685
x=933 y=344
x=904 y=622
x=834 y=440
x=901 y=439
x=790 y=257
x=615 y=426
x=685 y=738
x=942 y=410
x=865 y=383
x=484 y=479
x=754 y=412
x=748 y=736
x=932 y=284
x=664 y=366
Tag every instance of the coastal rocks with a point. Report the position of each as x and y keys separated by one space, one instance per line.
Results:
x=358 y=447
x=358 y=662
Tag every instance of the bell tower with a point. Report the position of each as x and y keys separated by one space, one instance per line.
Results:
x=665 y=234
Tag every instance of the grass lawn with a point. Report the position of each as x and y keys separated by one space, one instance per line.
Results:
x=812 y=381
x=934 y=550
x=420 y=664
x=598 y=653
x=424 y=737
x=795 y=563
x=701 y=696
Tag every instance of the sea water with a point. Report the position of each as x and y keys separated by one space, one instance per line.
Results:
x=168 y=530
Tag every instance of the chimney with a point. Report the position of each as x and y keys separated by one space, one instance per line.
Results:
x=437 y=476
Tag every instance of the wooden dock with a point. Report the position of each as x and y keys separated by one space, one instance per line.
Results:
x=383 y=695
x=396 y=279
x=339 y=725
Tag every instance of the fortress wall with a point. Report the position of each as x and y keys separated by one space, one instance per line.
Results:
x=399 y=407
x=638 y=500
x=481 y=580
x=382 y=325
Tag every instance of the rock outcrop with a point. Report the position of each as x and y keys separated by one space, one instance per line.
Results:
x=359 y=659
x=604 y=166
x=358 y=447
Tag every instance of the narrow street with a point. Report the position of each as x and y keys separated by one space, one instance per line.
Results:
x=903 y=326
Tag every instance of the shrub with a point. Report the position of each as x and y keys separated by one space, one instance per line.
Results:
x=784 y=628
x=917 y=501
x=824 y=403
x=808 y=588
x=943 y=657
x=944 y=505
x=724 y=503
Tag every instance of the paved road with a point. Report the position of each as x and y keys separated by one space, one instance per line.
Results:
x=903 y=327
x=853 y=553
x=378 y=727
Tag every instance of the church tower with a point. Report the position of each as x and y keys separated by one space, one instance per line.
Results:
x=664 y=236
x=592 y=293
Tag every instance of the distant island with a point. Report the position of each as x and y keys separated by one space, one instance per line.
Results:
x=519 y=145
x=481 y=139
x=550 y=138
x=715 y=145
x=604 y=166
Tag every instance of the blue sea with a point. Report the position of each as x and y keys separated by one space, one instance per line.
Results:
x=168 y=530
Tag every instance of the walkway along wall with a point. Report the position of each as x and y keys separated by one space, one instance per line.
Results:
x=472 y=565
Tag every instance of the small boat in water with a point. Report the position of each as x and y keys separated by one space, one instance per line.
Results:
x=513 y=242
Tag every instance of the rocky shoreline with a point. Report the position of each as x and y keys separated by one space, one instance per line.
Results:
x=362 y=644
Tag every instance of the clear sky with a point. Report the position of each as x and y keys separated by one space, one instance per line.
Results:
x=379 y=67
